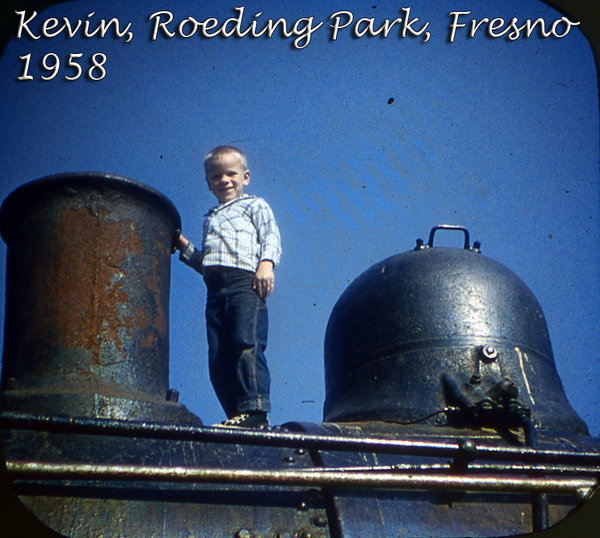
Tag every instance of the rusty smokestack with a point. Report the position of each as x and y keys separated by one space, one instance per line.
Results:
x=87 y=299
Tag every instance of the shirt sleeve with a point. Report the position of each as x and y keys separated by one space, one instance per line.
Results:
x=268 y=232
x=192 y=256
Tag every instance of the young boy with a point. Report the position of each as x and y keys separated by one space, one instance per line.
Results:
x=240 y=248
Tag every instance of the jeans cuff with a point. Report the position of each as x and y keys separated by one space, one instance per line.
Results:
x=262 y=403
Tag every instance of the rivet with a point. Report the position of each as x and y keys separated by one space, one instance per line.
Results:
x=468 y=445
x=489 y=353
x=302 y=505
x=243 y=533
x=320 y=521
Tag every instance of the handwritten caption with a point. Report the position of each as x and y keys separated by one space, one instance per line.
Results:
x=163 y=25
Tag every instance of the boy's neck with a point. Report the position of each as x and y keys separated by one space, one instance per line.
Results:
x=240 y=197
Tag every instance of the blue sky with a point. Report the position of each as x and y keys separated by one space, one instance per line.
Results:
x=360 y=145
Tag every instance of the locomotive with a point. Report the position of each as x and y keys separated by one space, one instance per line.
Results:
x=444 y=413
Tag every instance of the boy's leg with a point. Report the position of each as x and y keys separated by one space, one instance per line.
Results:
x=220 y=356
x=249 y=319
x=237 y=326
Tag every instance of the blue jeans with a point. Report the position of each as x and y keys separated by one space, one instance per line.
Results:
x=236 y=327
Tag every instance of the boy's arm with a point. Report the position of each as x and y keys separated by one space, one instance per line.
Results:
x=188 y=253
x=264 y=279
x=270 y=246
x=268 y=232
x=181 y=242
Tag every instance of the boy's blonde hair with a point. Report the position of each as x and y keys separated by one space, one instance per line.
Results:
x=225 y=150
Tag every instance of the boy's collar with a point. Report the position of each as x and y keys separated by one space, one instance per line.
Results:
x=230 y=202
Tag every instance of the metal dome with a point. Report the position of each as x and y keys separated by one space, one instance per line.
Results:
x=420 y=330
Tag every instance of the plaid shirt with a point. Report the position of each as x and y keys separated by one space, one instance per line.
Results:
x=240 y=233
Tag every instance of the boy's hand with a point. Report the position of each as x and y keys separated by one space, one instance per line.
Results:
x=264 y=279
x=181 y=242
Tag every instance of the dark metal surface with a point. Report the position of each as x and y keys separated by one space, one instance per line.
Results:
x=323 y=479
x=555 y=447
x=167 y=496
x=87 y=298
x=437 y=511
x=414 y=317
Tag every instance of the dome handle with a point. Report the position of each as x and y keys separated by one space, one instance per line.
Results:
x=452 y=227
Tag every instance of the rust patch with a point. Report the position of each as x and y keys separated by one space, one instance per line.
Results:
x=153 y=285
x=82 y=283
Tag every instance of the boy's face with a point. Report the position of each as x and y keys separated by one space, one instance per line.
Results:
x=226 y=177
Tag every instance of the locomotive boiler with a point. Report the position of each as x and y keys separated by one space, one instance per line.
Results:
x=444 y=413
